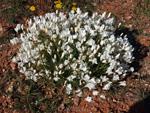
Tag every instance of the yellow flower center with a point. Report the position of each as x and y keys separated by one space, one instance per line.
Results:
x=74 y=8
x=58 y=2
x=58 y=6
x=74 y=3
x=32 y=8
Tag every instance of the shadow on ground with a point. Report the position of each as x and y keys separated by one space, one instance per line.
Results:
x=141 y=106
x=140 y=51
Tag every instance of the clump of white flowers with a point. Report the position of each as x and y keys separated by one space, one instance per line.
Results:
x=75 y=49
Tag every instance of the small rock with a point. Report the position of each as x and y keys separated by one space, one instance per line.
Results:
x=8 y=99
x=128 y=17
x=13 y=65
x=76 y=101
x=4 y=104
x=2 y=98
x=10 y=88
x=114 y=100
x=61 y=107
x=1 y=29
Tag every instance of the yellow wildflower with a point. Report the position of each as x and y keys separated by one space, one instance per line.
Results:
x=74 y=3
x=58 y=6
x=58 y=2
x=74 y=8
x=32 y=8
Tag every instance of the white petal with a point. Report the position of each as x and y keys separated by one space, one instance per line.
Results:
x=90 y=86
x=95 y=93
x=115 y=77
x=109 y=21
x=89 y=99
x=86 y=78
x=79 y=92
x=123 y=83
x=14 y=59
x=107 y=86
x=102 y=96
x=68 y=89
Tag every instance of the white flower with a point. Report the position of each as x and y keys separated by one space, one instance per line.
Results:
x=60 y=66
x=93 y=48
x=104 y=78
x=102 y=42
x=107 y=86
x=117 y=56
x=71 y=77
x=90 y=85
x=109 y=21
x=68 y=89
x=21 y=64
x=89 y=99
x=92 y=80
x=15 y=40
x=78 y=11
x=17 y=27
x=109 y=70
x=123 y=83
x=102 y=28
x=112 y=38
x=78 y=44
x=91 y=42
x=63 y=54
x=79 y=92
x=115 y=77
x=98 y=80
x=14 y=59
x=66 y=62
x=73 y=66
x=23 y=70
x=99 y=54
x=54 y=36
x=103 y=15
x=56 y=78
x=95 y=93
x=119 y=25
x=70 y=56
x=78 y=27
x=70 y=39
x=102 y=96
x=131 y=69
x=109 y=15
x=86 y=78
x=41 y=47
x=94 y=61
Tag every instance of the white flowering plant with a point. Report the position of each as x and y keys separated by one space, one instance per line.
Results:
x=74 y=49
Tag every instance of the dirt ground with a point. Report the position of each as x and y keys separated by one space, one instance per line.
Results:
x=134 y=98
